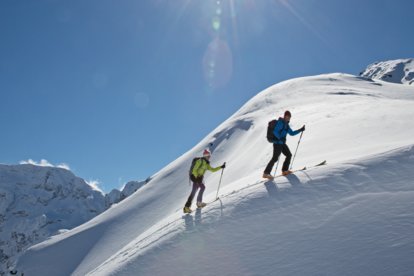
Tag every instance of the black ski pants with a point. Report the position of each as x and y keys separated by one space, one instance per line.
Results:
x=197 y=184
x=277 y=150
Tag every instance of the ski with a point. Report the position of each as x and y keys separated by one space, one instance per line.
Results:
x=321 y=164
x=317 y=165
x=302 y=169
x=214 y=200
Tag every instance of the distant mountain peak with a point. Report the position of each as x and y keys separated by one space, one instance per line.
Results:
x=395 y=71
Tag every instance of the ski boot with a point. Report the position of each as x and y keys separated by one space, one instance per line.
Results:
x=201 y=204
x=268 y=176
x=284 y=173
x=187 y=210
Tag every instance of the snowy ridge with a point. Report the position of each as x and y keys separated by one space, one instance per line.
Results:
x=267 y=227
x=395 y=71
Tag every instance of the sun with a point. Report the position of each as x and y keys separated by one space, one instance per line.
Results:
x=223 y=21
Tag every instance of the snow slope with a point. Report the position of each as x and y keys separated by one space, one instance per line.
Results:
x=349 y=219
x=36 y=202
x=396 y=71
x=354 y=215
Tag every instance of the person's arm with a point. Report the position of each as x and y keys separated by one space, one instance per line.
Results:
x=196 y=167
x=296 y=132
x=213 y=169
x=277 y=131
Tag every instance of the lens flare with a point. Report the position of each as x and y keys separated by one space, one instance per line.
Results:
x=218 y=58
x=218 y=64
x=216 y=23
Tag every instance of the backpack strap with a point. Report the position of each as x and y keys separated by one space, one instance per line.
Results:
x=280 y=132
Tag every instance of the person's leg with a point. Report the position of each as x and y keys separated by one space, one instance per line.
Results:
x=288 y=155
x=277 y=149
x=193 y=192
x=200 y=193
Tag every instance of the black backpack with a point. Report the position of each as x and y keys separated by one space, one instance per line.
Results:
x=270 y=128
x=271 y=138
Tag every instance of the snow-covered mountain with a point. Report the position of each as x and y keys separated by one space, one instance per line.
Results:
x=37 y=202
x=354 y=216
x=396 y=71
x=115 y=196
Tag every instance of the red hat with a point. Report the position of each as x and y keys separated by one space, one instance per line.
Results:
x=206 y=153
x=287 y=113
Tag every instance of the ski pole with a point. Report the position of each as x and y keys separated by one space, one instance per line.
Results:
x=277 y=165
x=291 y=164
x=222 y=171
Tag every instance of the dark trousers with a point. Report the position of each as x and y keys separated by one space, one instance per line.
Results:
x=196 y=186
x=277 y=150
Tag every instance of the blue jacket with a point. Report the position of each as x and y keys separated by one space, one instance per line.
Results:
x=282 y=129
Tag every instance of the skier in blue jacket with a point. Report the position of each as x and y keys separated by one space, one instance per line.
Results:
x=282 y=129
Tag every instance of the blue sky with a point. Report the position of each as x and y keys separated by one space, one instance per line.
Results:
x=118 y=89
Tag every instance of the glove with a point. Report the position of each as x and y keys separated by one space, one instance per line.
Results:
x=302 y=129
x=223 y=166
